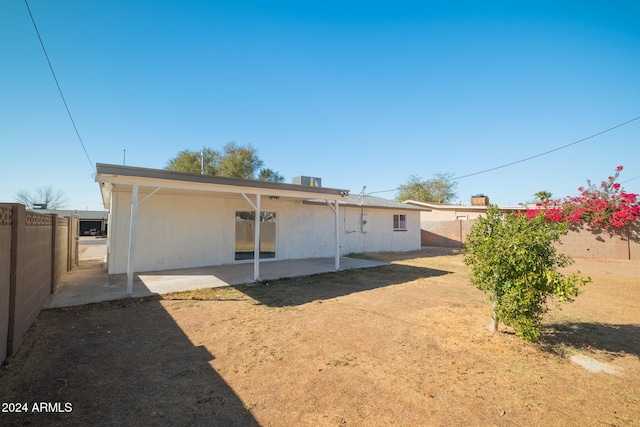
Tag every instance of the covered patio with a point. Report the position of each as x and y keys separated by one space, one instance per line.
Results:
x=86 y=286
x=165 y=220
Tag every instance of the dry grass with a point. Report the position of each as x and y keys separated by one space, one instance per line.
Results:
x=404 y=344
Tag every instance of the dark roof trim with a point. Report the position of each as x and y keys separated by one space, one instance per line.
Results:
x=369 y=202
x=442 y=207
x=130 y=171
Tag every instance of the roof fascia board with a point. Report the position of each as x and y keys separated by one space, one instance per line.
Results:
x=214 y=187
x=105 y=170
x=460 y=207
x=353 y=205
x=105 y=191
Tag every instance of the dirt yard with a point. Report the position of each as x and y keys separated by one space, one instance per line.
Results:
x=401 y=345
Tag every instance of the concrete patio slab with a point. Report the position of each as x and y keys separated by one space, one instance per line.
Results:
x=85 y=286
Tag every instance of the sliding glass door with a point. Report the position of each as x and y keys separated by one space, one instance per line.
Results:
x=245 y=234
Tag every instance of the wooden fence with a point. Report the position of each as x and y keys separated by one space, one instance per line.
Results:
x=36 y=250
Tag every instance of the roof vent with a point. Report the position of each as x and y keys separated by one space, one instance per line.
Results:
x=307 y=181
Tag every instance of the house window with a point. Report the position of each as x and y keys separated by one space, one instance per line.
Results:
x=399 y=223
x=245 y=223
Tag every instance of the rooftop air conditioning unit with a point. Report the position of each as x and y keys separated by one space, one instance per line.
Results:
x=307 y=181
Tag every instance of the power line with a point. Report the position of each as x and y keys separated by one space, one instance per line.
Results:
x=547 y=152
x=533 y=157
x=58 y=85
x=635 y=177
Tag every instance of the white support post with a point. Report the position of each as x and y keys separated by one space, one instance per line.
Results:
x=337 y=235
x=132 y=239
x=256 y=242
x=249 y=201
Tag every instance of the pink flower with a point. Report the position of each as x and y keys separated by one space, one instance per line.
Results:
x=607 y=206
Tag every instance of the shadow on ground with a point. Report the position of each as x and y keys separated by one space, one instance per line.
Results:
x=302 y=290
x=425 y=252
x=117 y=363
x=612 y=339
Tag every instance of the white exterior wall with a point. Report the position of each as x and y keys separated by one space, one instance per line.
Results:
x=179 y=231
x=172 y=232
x=379 y=235
x=305 y=231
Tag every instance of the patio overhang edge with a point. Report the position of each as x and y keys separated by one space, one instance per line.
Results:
x=109 y=176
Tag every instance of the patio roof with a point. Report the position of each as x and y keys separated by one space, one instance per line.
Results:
x=148 y=182
x=116 y=177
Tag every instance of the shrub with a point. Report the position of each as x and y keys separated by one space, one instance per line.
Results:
x=605 y=206
x=513 y=259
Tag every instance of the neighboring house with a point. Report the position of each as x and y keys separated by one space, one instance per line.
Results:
x=160 y=220
x=448 y=225
x=439 y=212
x=89 y=222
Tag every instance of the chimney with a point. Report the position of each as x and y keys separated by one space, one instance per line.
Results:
x=479 y=200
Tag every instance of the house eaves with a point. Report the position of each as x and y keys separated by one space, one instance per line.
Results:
x=122 y=178
x=439 y=207
x=370 y=202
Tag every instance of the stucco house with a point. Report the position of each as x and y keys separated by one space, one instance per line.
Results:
x=444 y=212
x=448 y=225
x=161 y=220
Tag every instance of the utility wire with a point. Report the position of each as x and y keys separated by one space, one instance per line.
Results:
x=533 y=157
x=58 y=85
x=547 y=152
x=635 y=177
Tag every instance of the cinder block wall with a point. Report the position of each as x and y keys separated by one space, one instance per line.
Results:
x=37 y=265
x=599 y=244
x=35 y=252
x=578 y=242
x=448 y=234
x=5 y=273
x=61 y=250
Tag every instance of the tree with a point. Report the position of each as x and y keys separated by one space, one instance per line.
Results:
x=192 y=161
x=513 y=259
x=439 y=189
x=270 y=175
x=542 y=196
x=47 y=195
x=234 y=161
x=239 y=162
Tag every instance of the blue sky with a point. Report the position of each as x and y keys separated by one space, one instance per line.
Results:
x=355 y=92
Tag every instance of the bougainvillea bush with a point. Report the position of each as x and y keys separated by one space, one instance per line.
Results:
x=605 y=206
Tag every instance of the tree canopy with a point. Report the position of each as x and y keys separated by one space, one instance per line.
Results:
x=234 y=160
x=543 y=196
x=514 y=260
x=439 y=189
x=47 y=195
